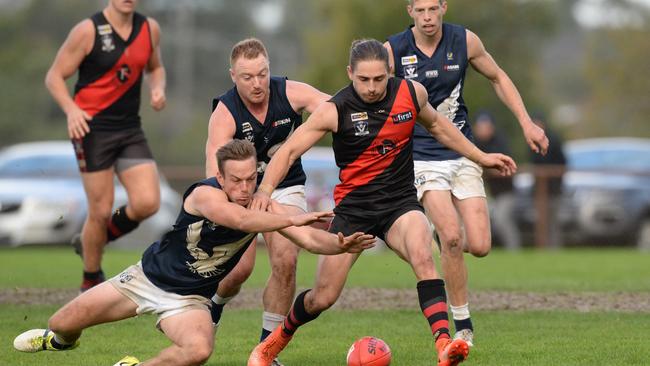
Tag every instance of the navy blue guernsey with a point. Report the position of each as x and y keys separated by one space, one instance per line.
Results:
x=268 y=135
x=443 y=74
x=195 y=254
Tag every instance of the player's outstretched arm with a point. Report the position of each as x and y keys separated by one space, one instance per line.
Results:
x=213 y=204
x=323 y=120
x=447 y=134
x=322 y=242
x=507 y=92
x=304 y=97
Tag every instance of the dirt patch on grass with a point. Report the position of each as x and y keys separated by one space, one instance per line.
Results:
x=376 y=299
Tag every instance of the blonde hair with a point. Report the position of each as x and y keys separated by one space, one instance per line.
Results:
x=249 y=48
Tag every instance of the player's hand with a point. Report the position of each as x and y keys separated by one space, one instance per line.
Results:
x=78 y=123
x=310 y=218
x=158 y=100
x=357 y=242
x=260 y=202
x=536 y=138
x=503 y=163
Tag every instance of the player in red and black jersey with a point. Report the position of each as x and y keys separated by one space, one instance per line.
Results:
x=372 y=123
x=110 y=50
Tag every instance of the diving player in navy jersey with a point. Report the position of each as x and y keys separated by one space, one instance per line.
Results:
x=264 y=110
x=112 y=50
x=450 y=187
x=178 y=274
x=372 y=122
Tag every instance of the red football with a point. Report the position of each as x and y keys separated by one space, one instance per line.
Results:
x=369 y=351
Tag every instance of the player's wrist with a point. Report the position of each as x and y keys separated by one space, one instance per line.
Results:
x=265 y=188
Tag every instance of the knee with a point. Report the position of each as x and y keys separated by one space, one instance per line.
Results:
x=145 y=208
x=480 y=249
x=199 y=353
x=452 y=242
x=284 y=268
x=100 y=212
x=320 y=301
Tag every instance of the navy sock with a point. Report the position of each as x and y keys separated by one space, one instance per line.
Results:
x=463 y=324
x=215 y=311
x=93 y=276
x=265 y=333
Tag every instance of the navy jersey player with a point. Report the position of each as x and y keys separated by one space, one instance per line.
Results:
x=450 y=187
x=177 y=274
x=111 y=51
x=264 y=110
x=372 y=122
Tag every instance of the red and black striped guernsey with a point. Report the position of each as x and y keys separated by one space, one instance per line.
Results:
x=110 y=76
x=373 y=147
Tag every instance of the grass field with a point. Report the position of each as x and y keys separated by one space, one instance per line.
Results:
x=503 y=337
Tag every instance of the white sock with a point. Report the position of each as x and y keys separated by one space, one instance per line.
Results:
x=460 y=312
x=221 y=300
x=270 y=321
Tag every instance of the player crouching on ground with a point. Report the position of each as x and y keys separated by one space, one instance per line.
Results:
x=178 y=274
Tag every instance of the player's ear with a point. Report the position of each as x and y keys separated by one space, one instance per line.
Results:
x=232 y=75
x=349 y=68
x=220 y=178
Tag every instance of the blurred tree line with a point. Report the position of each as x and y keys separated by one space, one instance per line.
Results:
x=589 y=81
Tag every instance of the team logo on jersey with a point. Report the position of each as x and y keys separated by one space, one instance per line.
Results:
x=420 y=180
x=247 y=130
x=451 y=67
x=123 y=73
x=409 y=60
x=386 y=147
x=105 y=33
x=402 y=117
x=430 y=74
x=361 y=128
x=410 y=71
x=360 y=116
x=450 y=56
x=281 y=122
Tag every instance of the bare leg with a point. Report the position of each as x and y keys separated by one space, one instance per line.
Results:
x=142 y=186
x=192 y=337
x=99 y=192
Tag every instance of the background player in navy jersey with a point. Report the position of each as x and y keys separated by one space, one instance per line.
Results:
x=110 y=50
x=264 y=110
x=178 y=274
x=372 y=123
x=437 y=54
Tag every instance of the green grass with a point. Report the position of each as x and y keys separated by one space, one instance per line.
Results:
x=506 y=338
x=567 y=270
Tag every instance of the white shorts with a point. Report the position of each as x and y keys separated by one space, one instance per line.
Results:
x=463 y=177
x=150 y=299
x=291 y=196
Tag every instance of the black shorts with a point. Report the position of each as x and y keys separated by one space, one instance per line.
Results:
x=100 y=150
x=375 y=222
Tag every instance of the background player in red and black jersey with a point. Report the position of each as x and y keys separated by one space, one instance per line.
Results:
x=372 y=123
x=110 y=51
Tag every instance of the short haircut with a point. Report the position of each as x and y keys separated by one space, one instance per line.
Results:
x=412 y=2
x=235 y=150
x=249 y=48
x=367 y=50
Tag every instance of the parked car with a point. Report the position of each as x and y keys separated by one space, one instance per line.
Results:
x=42 y=200
x=606 y=192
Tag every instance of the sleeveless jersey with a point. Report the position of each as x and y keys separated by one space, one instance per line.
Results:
x=110 y=76
x=443 y=75
x=270 y=134
x=373 y=148
x=195 y=254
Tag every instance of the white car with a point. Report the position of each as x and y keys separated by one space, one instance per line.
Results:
x=42 y=200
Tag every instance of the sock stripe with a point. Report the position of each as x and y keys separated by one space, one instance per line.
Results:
x=434 y=301
x=440 y=326
x=435 y=308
